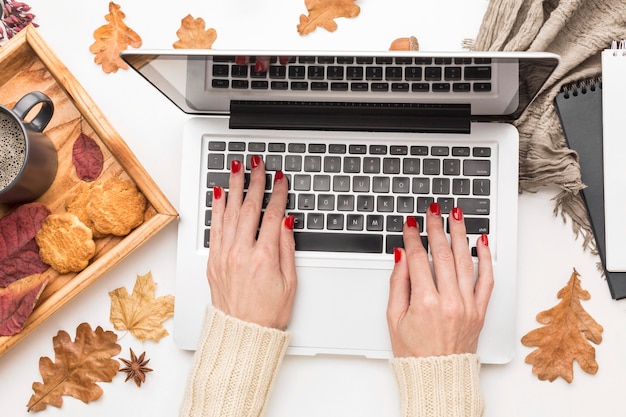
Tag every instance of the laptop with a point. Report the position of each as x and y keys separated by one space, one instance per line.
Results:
x=365 y=140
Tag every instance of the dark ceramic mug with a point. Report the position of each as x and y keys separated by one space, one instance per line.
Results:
x=28 y=158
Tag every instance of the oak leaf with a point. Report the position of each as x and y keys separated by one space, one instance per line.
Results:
x=113 y=38
x=140 y=312
x=17 y=302
x=19 y=253
x=87 y=158
x=77 y=368
x=323 y=12
x=565 y=337
x=192 y=34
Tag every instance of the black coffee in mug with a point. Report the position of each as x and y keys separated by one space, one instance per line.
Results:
x=28 y=158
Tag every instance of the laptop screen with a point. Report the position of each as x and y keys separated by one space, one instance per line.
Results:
x=490 y=85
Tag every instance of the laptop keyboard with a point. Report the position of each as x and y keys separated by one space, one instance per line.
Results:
x=364 y=74
x=355 y=198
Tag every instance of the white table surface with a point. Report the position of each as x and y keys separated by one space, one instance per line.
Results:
x=321 y=386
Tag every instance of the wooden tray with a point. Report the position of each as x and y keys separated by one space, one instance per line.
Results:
x=28 y=64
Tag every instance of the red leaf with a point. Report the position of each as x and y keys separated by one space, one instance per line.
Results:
x=17 y=242
x=22 y=263
x=87 y=157
x=17 y=302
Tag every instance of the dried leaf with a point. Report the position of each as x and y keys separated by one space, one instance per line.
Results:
x=565 y=336
x=140 y=312
x=17 y=302
x=77 y=368
x=19 y=253
x=323 y=12
x=87 y=157
x=193 y=35
x=113 y=38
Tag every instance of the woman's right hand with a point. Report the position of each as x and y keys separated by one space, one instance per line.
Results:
x=440 y=314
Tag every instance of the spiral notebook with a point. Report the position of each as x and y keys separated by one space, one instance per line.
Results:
x=579 y=106
x=614 y=152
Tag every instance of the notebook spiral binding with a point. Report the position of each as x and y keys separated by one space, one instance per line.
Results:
x=575 y=88
x=618 y=47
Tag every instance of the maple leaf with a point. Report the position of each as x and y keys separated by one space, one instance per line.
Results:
x=17 y=302
x=141 y=313
x=565 y=336
x=87 y=158
x=113 y=38
x=77 y=368
x=193 y=35
x=323 y=12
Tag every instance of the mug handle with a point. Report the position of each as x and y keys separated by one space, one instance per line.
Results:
x=30 y=100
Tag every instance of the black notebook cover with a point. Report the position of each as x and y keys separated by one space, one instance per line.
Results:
x=580 y=111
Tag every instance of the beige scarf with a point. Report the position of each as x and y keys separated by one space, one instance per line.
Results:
x=577 y=30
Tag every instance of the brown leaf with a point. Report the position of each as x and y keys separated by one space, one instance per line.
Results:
x=193 y=35
x=87 y=158
x=565 y=336
x=78 y=366
x=140 y=312
x=113 y=38
x=17 y=302
x=323 y=12
x=19 y=254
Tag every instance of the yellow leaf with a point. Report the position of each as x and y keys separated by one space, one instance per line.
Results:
x=565 y=336
x=192 y=34
x=77 y=368
x=113 y=38
x=141 y=313
x=322 y=13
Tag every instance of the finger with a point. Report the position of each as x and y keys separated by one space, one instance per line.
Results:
x=399 y=288
x=421 y=278
x=485 y=281
x=261 y=64
x=287 y=250
x=443 y=259
x=250 y=211
x=275 y=211
x=218 y=204
x=462 y=258
x=233 y=203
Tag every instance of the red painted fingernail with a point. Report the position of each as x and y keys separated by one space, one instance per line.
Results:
x=235 y=166
x=484 y=239
x=457 y=214
x=255 y=161
x=217 y=192
x=435 y=209
x=397 y=255
x=283 y=60
x=289 y=222
x=411 y=222
x=241 y=60
x=259 y=66
x=278 y=176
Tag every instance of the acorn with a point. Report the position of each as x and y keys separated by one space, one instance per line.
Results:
x=405 y=44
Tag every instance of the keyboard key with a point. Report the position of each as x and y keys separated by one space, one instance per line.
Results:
x=476 y=167
x=312 y=163
x=374 y=222
x=297 y=72
x=378 y=149
x=293 y=162
x=297 y=147
x=374 y=73
x=339 y=86
x=398 y=150
x=394 y=223
x=481 y=186
x=274 y=162
x=452 y=74
x=217 y=146
x=256 y=147
x=441 y=87
x=315 y=221
x=393 y=73
x=336 y=148
x=316 y=72
x=359 y=87
x=317 y=148
x=391 y=166
x=385 y=204
x=396 y=241
x=451 y=166
x=482 y=87
x=358 y=149
x=477 y=73
x=401 y=185
x=332 y=164
x=345 y=202
x=421 y=186
x=216 y=161
x=326 y=202
x=338 y=242
x=277 y=72
x=335 y=73
x=354 y=73
x=302 y=182
x=276 y=147
x=400 y=87
x=334 y=221
x=432 y=73
x=355 y=222
x=476 y=225
x=440 y=151
x=405 y=204
x=413 y=73
x=321 y=183
x=351 y=165
x=306 y=201
x=474 y=205
x=481 y=152
x=380 y=184
x=341 y=183
x=371 y=165
x=365 y=203
x=220 y=70
x=460 y=186
x=431 y=166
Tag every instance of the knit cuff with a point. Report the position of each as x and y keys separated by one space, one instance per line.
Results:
x=439 y=386
x=234 y=367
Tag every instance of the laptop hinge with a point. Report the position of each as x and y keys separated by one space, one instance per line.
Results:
x=385 y=117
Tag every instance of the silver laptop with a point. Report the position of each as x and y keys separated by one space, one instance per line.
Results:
x=365 y=139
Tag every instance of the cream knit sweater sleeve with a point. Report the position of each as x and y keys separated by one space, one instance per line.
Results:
x=233 y=369
x=439 y=386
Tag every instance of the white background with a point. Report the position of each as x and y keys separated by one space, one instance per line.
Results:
x=321 y=386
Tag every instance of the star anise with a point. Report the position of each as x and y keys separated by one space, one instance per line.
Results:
x=136 y=367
